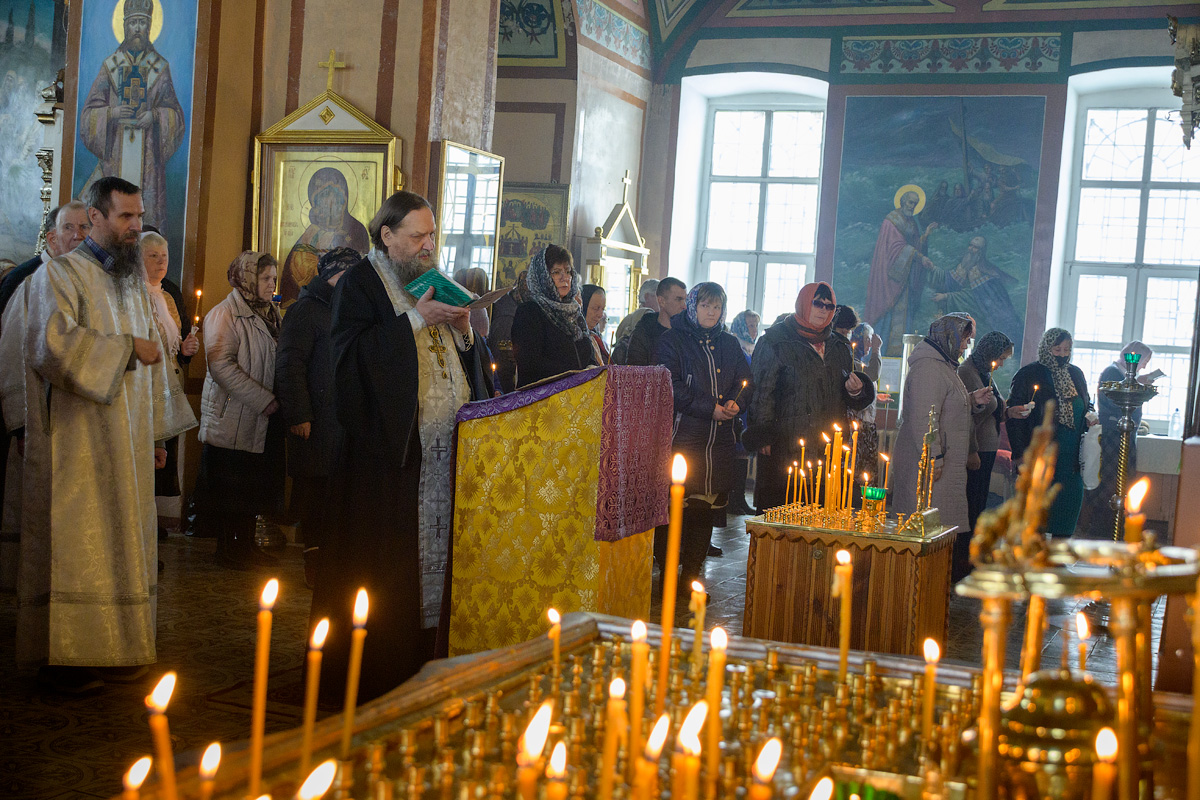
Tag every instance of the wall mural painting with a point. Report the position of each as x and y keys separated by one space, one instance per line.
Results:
x=532 y=33
x=138 y=57
x=32 y=50
x=532 y=216
x=935 y=212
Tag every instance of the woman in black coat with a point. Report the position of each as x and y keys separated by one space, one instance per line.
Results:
x=549 y=334
x=708 y=370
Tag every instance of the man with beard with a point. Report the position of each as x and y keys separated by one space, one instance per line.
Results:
x=977 y=286
x=403 y=366
x=894 y=289
x=131 y=118
x=98 y=408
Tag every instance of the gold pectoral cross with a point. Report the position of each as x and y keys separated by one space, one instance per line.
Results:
x=438 y=349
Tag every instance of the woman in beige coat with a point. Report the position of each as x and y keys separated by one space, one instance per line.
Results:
x=241 y=466
x=933 y=382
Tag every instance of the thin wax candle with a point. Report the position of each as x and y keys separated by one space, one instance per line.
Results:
x=1135 y=521
x=1104 y=771
x=685 y=763
x=156 y=702
x=843 y=581
x=645 y=782
x=932 y=654
x=555 y=634
x=670 y=580
x=311 y=690
x=361 y=606
x=135 y=777
x=1081 y=628
x=764 y=769
x=209 y=763
x=719 y=641
x=529 y=751
x=556 y=773
x=698 y=606
x=639 y=659
x=614 y=727
x=262 y=659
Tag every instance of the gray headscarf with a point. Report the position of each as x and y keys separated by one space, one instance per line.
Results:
x=567 y=315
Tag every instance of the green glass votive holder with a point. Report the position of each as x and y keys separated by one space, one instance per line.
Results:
x=874 y=492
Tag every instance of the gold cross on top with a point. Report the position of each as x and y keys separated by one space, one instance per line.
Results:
x=331 y=65
x=625 y=191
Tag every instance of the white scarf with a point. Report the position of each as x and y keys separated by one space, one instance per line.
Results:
x=168 y=329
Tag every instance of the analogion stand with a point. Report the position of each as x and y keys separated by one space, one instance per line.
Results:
x=900 y=589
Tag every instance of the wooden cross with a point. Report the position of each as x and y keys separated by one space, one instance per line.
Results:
x=625 y=192
x=331 y=65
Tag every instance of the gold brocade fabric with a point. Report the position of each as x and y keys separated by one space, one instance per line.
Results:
x=525 y=522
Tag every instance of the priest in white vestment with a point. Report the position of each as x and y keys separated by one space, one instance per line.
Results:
x=98 y=407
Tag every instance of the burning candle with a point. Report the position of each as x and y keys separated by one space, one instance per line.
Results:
x=1104 y=771
x=828 y=444
x=887 y=468
x=645 y=781
x=787 y=493
x=556 y=773
x=853 y=452
x=796 y=485
x=843 y=575
x=1035 y=391
x=764 y=769
x=932 y=654
x=614 y=727
x=637 y=698
x=685 y=762
x=820 y=473
x=835 y=468
x=698 y=606
x=262 y=658
x=812 y=498
x=156 y=702
x=135 y=777
x=670 y=579
x=318 y=782
x=529 y=751
x=823 y=790
x=555 y=634
x=311 y=690
x=802 y=461
x=208 y=769
x=803 y=485
x=361 y=605
x=712 y=696
x=1135 y=521
x=847 y=468
x=739 y=392
x=1081 y=628
x=199 y=293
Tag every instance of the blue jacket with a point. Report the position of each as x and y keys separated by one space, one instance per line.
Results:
x=707 y=369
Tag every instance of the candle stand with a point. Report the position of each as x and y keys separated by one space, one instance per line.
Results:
x=1128 y=395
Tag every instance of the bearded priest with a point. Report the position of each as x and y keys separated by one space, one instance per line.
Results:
x=403 y=366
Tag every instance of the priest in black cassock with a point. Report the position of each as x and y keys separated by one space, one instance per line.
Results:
x=403 y=366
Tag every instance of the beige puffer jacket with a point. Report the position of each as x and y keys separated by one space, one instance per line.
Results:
x=241 y=375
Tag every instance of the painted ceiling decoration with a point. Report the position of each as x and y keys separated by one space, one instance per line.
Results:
x=610 y=30
x=795 y=8
x=532 y=34
x=960 y=54
x=1071 y=5
x=669 y=13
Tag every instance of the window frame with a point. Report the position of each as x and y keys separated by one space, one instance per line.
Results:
x=759 y=256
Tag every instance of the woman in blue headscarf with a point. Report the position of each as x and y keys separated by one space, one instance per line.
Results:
x=708 y=372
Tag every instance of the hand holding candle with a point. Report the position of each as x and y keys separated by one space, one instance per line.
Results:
x=135 y=777
x=311 y=690
x=156 y=702
x=739 y=391
x=208 y=770
x=361 y=606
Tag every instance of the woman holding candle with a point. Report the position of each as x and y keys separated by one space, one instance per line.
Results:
x=707 y=370
x=933 y=382
x=1063 y=382
x=745 y=329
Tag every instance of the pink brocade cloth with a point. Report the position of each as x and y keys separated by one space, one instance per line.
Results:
x=635 y=452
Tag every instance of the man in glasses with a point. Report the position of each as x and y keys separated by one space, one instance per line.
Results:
x=65 y=229
x=805 y=381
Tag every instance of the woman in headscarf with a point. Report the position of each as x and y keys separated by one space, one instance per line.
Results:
x=933 y=383
x=549 y=334
x=241 y=465
x=707 y=370
x=499 y=339
x=745 y=328
x=594 y=305
x=806 y=381
x=1054 y=377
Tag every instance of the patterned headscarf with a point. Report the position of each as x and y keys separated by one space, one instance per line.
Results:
x=1064 y=387
x=339 y=259
x=948 y=333
x=520 y=290
x=987 y=351
x=709 y=289
x=804 y=312
x=860 y=340
x=566 y=315
x=243 y=277
x=741 y=329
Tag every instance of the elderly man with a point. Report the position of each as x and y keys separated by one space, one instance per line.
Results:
x=980 y=288
x=402 y=367
x=97 y=385
x=65 y=229
x=648 y=299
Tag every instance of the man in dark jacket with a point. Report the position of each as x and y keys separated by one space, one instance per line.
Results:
x=65 y=229
x=672 y=300
x=304 y=389
x=805 y=381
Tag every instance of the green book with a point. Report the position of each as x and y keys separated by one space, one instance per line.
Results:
x=444 y=290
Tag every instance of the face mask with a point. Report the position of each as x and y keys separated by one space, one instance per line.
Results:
x=1062 y=360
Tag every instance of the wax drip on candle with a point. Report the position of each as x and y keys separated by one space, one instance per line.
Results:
x=318 y=781
x=210 y=761
x=136 y=775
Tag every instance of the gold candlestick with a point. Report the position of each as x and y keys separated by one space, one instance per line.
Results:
x=637 y=698
x=764 y=769
x=645 y=782
x=311 y=690
x=670 y=579
x=843 y=590
x=1081 y=628
x=135 y=777
x=262 y=659
x=156 y=702
x=697 y=606
x=1031 y=648
x=994 y=619
x=614 y=728
x=529 y=751
x=361 y=606
x=556 y=773
x=685 y=762
x=555 y=635
x=209 y=763
x=1134 y=520
x=932 y=654
x=1104 y=770
x=318 y=782
x=718 y=642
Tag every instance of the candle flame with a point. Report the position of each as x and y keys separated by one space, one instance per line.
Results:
x=558 y=763
x=678 y=469
x=361 y=604
x=837 y=427
x=270 y=594
x=744 y=384
x=210 y=761
x=493 y=366
x=866 y=477
x=846 y=448
x=638 y=631
x=802 y=443
x=658 y=736
x=1081 y=626
x=789 y=470
x=199 y=292
x=533 y=741
x=553 y=615
x=318 y=781
x=855 y=424
x=823 y=790
x=718 y=639
x=796 y=464
x=319 y=634
x=692 y=723
x=697 y=586
x=136 y=775
x=825 y=436
x=617 y=689
x=767 y=761
x=1106 y=745
x=843 y=557
x=158 y=699
x=884 y=456
x=932 y=651
x=1137 y=493
x=809 y=464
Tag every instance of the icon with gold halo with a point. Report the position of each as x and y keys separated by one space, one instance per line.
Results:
x=917 y=190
